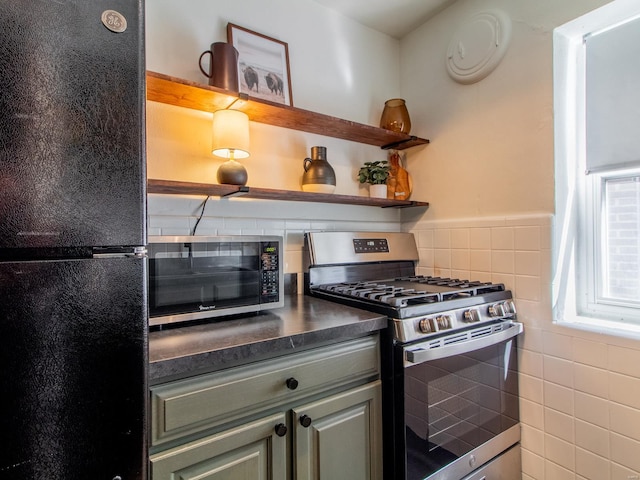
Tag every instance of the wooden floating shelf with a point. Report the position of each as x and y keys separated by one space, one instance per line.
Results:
x=172 y=187
x=183 y=93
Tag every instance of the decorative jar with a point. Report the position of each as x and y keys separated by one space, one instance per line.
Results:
x=395 y=116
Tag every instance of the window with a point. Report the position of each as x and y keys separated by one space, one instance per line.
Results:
x=597 y=134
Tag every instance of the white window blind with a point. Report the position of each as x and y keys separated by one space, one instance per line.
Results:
x=613 y=97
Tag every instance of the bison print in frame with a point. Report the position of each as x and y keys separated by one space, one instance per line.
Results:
x=263 y=65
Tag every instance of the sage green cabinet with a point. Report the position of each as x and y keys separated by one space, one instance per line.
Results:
x=252 y=451
x=309 y=415
x=343 y=438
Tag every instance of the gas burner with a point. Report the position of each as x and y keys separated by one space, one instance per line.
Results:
x=384 y=280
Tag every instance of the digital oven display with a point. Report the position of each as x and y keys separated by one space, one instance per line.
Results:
x=370 y=245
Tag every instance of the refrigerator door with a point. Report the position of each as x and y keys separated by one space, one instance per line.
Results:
x=72 y=170
x=74 y=369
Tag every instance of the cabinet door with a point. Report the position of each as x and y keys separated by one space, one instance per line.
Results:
x=344 y=438
x=252 y=451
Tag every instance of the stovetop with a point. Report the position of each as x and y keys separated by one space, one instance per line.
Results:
x=352 y=268
x=411 y=290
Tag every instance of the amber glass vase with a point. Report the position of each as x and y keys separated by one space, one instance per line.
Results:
x=395 y=116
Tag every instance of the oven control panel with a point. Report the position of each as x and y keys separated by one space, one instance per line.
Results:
x=370 y=245
x=409 y=329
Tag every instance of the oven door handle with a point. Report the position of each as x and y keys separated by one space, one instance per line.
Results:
x=423 y=352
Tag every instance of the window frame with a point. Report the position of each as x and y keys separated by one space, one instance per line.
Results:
x=577 y=298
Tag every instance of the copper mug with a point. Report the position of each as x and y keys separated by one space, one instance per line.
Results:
x=223 y=66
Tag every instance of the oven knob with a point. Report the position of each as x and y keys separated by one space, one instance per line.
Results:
x=509 y=307
x=472 y=315
x=444 y=322
x=426 y=326
x=497 y=310
x=472 y=461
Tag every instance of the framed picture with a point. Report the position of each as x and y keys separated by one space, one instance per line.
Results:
x=263 y=65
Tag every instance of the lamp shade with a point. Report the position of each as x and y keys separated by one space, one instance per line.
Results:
x=230 y=134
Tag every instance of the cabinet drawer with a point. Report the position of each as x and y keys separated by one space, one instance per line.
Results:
x=189 y=406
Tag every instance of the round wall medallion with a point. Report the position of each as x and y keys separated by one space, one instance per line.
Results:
x=478 y=46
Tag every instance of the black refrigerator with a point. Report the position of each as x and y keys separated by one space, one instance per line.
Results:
x=73 y=310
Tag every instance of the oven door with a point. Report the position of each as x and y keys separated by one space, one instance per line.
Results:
x=459 y=401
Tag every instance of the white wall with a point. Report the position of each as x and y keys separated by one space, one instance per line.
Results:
x=492 y=141
x=338 y=68
x=489 y=177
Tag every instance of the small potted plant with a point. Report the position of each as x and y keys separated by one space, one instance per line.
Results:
x=375 y=174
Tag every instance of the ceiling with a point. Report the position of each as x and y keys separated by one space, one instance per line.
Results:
x=393 y=17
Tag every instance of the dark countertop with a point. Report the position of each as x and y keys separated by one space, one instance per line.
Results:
x=303 y=322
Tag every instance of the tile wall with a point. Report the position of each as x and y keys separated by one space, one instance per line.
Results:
x=580 y=391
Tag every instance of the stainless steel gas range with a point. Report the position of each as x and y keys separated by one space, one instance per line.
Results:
x=449 y=364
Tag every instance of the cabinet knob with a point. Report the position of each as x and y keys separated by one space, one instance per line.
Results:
x=305 y=421
x=281 y=429
x=292 y=383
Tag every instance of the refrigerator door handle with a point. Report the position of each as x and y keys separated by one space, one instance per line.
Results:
x=135 y=252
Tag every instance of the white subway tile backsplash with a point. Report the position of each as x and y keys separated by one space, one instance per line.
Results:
x=502 y=261
x=559 y=452
x=506 y=279
x=621 y=472
x=530 y=363
x=442 y=238
x=502 y=238
x=480 y=238
x=460 y=238
x=625 y=421
x=239 y=223
x=527 y=238
x=532 y=439
x=558 y=397
x=227 y=231
x=531 y=339
x=463 y=274
x=532 y=413
x=591 y=466
x=532 y=466
x=624 y=451
x=559 y=371
x=591 y=380
x=480 y=276
x=557 y=345
x=480 y=260
x=527 y=263
x=625 y=361
x=531 y=388
x=553 y=471
x=590 y=353
x=592 y=438
x=624 y=389
x=442 y=258
x=460 y=260
x=559 y=424
x=427 y=257
x=592 y=409
x=424 y=238
x=528 y=288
